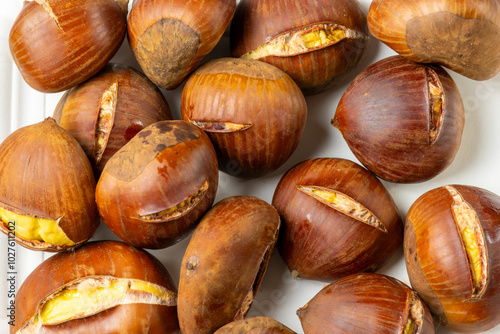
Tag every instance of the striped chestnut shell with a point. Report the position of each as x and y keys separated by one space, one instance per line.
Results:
x=255 y=325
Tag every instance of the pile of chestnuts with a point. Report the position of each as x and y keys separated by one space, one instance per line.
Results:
x=178 y=186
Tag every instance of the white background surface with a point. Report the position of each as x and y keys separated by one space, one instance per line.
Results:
x=477 y=163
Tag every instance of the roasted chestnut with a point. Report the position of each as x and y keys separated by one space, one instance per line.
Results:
x=225 y=262
x=59 y=44
x=366 y=303
x=253 y=112
x=315 y=42
x=154 y=190
x=255 y=325
x=169 y=38
x=105 y=112
x=100 y=288
x=452 y=253
x=402 y=120
x=338 y=219
x=463 y=36
x=47 y=188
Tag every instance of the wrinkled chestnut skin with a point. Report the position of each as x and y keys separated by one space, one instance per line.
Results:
x=139 y=104
x=247 y=92
x=321 y=243
x=170 y=37
x=56 y=53
x=462 y=35
x=437 y=264
x=163 y=165
x=102 y=258
x=225 y=262
x=384 y=116
x=255 y=325
x=45 y=173
x=361 y=303
x=257 y=21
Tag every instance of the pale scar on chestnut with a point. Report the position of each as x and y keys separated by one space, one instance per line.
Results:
x=105 y=119
x=436 y=105
x=92 y=295
x=473 y=240
x=223 y=127
x=305 y=39
x=178 y=210
x=48 y=9
x=415 y=316
x=343 y=204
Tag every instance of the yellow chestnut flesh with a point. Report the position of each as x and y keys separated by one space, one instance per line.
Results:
x=215 y=126
x=436 y=103
x=105 y=119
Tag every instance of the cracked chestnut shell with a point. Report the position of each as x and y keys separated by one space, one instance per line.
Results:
x=154 y=190
x=338 y=219
x=452 y=253
x=47 y=188
x=58 y=44
x=255 y=325
x=253 y=112
x=225 y=262
x=402 y=120
x=366 y=303
x=108 y=110
x=317 y=43
x=102 y=287
x=170 y=37
x=463 y=36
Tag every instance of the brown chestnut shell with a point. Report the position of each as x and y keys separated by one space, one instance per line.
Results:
x=255 y=325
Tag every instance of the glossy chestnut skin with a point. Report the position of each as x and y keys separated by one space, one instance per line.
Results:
x=320 y=242
x=225 y=262
x=56 y=181
x=257 y=97
x=255 y=325
x=385 y=118
x=102 y=258
x=59 y=44
x=170 y=37
x=258 y=21
x=437 y=262
x=138 y=104
x=164 y=165
x=363 y=303
x=462 y=35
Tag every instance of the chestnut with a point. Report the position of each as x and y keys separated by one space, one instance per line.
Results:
x=109 y=109
x=102 y=287
x=317 y=43
x=366 y=303
x=338 y=219
x=402 y=120
x=462 y=36
x=255 y=325
x=47 y=188
x=225 y=262
x=170 y=37
x=253 y=112
x=59 y=44
x=154 y=190
x=452 y=253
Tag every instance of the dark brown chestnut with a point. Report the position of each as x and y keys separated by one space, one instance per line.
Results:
x=255 y=325
x=100 y=288
x=225 y=262
x=315 y=42
x=452 y=253
x=253 y=112
x=59 y=44
x=108 y=110
x=463 y=36
x=402 y=120
x=154 y=190
x=338 y=219
x=366 y=303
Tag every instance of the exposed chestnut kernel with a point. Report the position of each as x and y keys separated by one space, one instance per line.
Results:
x=436 y=104
x=215 y=126
x=105 y=119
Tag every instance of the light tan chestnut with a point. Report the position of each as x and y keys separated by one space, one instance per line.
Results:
x=58 y=44
x=108 y=110
x=255 y=325
x=452 y=253
x=225 y=262
x=170 y=37
x=102 y=287
x=462 y=35
x=47 y=188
